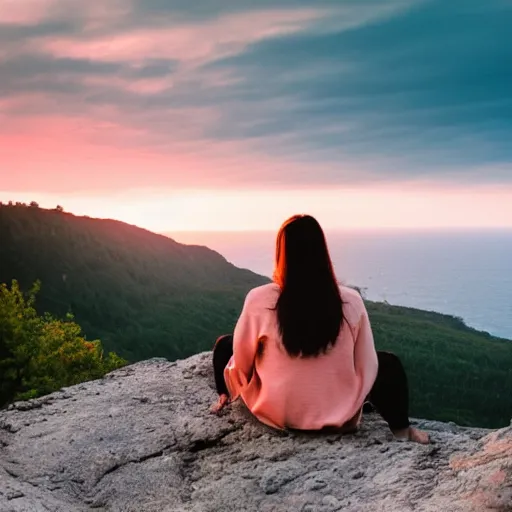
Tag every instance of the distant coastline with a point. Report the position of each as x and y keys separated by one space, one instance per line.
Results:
x=463 y=273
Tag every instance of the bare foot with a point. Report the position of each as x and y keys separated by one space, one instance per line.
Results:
x=412 y=434
x=221 y=403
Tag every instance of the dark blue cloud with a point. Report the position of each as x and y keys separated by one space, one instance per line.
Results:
x=207 y=9
x=397 y=89
x=431 y=86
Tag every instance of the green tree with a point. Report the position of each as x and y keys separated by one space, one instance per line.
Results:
x=40 y=354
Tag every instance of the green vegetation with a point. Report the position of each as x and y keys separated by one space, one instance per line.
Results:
x=455 y=373
x=144 y=295
x=39 y=354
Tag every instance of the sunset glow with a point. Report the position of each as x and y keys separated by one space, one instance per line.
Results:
x=235 y=116
x=242 y=210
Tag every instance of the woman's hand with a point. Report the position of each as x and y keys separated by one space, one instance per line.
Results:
x=221 y=403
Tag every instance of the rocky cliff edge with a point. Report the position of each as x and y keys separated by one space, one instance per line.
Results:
x=141 y=439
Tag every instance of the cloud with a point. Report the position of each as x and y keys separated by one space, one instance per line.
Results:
x=27 y=12
x=430 y=85
x=271 y=94
x=200 y=42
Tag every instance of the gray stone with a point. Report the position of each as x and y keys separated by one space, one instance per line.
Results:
x=317 y=481
x=278 y=475
x=142 y=440
x=12 y=495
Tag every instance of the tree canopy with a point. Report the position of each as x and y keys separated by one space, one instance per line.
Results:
x=40 y=354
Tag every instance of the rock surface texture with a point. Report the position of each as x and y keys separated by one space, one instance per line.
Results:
x=142 y=439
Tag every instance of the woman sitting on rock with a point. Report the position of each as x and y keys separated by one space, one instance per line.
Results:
x=302 y=354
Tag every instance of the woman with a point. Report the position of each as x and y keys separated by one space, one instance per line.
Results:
x=302 y=354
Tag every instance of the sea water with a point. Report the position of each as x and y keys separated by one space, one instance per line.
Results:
x=463 y=273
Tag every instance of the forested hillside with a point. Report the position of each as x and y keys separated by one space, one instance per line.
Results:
x=456 y=373
x=142 y=294
x=145 y=295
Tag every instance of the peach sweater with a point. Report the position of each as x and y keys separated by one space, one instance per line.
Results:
x=301 y=393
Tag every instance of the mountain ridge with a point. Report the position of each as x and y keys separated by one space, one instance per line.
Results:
x=113 y=276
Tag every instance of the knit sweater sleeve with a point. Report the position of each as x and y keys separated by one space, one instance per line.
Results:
x=365 y=355
x=245 y=344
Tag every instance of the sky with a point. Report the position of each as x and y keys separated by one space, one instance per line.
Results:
x=235 y=114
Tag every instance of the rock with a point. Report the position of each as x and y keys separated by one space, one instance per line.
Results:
x=12 y=495
x=279 y=474
x=142 y=439
x=316 y=483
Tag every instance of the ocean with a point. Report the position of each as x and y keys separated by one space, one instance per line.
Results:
x=462 y=273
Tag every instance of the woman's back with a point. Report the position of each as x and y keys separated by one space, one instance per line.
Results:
x=294 y=391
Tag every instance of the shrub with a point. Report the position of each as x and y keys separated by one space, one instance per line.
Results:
x=40 y=354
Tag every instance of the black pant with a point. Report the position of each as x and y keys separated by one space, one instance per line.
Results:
x=389 y=394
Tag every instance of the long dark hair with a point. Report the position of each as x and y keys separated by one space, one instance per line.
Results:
x=309 y=308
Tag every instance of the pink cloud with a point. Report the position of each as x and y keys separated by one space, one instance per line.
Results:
x=62 y=154
x=112 y=149
x=32 y=12
x=200 y=42
x=106 y=152
x=143 y=86
x=25 y=12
